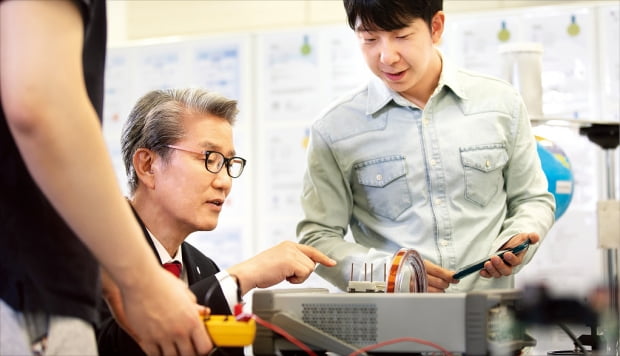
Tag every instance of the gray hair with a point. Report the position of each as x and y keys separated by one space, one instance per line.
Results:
x=155 y=121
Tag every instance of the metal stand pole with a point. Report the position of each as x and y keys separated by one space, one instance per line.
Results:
x=612 y=265
x=607 y=137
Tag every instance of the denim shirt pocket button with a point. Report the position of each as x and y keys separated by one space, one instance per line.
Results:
x=482 y=168
x=383 y=183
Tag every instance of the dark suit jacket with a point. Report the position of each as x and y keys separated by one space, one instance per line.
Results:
x=114 y=341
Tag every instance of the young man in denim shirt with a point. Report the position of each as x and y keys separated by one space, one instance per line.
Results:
x=425 y=156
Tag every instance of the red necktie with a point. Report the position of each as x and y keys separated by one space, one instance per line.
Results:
x=174 y=267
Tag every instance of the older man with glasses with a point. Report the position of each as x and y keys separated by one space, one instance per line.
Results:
x=175 y=145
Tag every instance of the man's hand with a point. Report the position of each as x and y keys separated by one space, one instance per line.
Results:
x=164 y=317
x=439 y=278
x=498 y=267
x=286 y=261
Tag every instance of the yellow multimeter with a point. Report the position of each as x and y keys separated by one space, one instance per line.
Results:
x=227 y=331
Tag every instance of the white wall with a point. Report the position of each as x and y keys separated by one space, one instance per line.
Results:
x=144 y=19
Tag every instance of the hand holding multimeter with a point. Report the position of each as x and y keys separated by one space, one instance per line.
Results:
x=478 y=265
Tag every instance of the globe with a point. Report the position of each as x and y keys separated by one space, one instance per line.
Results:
x=559 y=173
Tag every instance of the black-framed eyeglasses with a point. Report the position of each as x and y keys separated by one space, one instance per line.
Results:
x=214 y=161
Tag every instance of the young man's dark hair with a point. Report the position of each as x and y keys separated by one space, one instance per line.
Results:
x=379 y=15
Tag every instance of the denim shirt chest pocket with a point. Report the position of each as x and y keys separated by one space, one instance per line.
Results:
x=483 y=166
x=383 y=183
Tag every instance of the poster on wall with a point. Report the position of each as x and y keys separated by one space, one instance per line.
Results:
x=300 y=72
x=289 y=75
x=118 y=100
x=217 y=67
x=474 y=42
x=159 y=67
x=609 y=28
x=342 y=63
x=289 y=96
x=568 y=63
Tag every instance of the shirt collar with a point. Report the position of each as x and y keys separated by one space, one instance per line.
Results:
x=164 y=256
x=380 y=95
x=450 y=78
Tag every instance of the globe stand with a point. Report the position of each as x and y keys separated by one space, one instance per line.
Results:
x=606 y=136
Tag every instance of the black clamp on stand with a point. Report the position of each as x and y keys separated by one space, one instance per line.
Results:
x=607 y=136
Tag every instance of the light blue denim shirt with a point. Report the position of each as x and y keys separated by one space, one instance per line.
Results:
x=453 y=181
